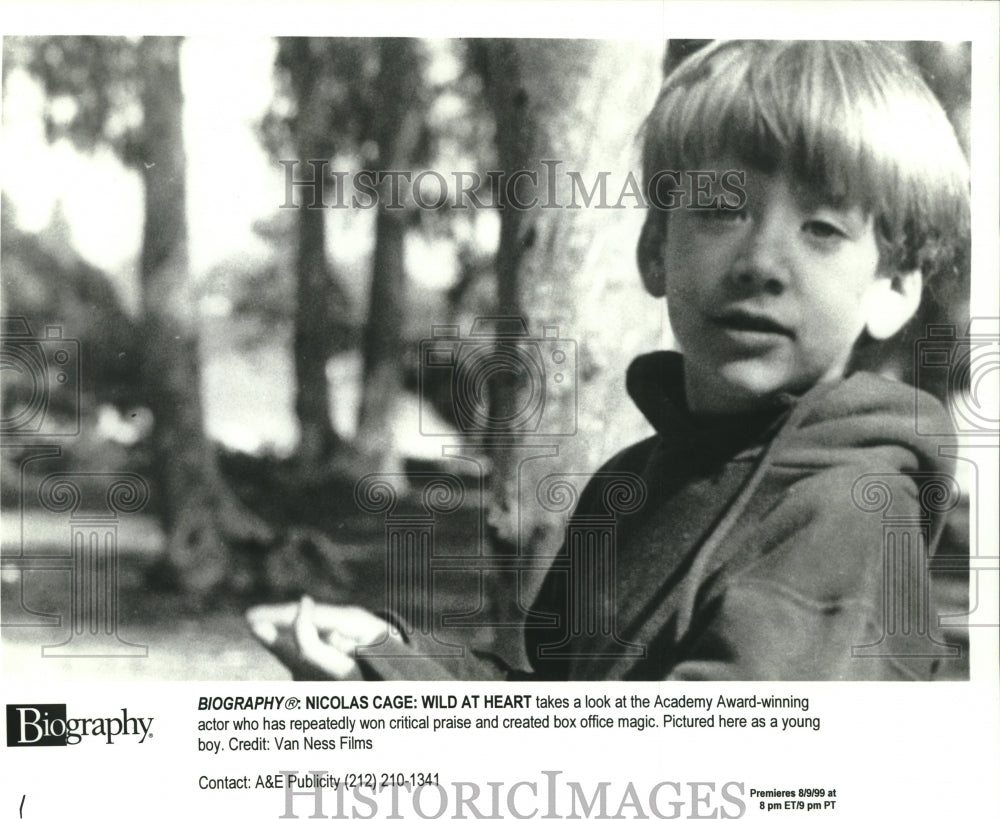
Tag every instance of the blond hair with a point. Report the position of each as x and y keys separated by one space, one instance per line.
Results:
x=853 y=122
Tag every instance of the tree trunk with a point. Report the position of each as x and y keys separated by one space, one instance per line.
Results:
x=311 y=343
x=200 y=515
x=397 y=127
x=579 y=104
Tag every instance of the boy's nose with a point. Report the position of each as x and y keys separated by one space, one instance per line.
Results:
x=761 y=266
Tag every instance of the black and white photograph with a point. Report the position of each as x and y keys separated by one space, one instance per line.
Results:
x=531 y=377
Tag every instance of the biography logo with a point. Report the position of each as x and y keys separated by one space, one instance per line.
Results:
x=32 y=726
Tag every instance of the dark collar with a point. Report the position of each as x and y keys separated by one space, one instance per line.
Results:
x=655 y=382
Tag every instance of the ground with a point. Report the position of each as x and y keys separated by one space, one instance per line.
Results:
x=334 y=556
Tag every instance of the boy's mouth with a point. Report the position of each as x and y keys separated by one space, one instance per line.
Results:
x=747 y=321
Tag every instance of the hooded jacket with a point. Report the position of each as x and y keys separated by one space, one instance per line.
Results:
x=790 y=544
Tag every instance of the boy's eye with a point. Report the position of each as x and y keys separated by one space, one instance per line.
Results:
x=820 y=229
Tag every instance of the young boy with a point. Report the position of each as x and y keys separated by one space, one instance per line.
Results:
x=759 y=553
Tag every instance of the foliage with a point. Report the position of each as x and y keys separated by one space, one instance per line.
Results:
x=50 y=286
x=344 y=70
x=91 y=89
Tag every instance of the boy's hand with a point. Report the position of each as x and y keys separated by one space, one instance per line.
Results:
x=316 y=642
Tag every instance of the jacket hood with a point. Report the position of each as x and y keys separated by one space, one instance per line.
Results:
x=863 y=411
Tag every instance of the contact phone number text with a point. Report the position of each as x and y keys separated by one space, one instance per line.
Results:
x=388 y=780
x=353 y=780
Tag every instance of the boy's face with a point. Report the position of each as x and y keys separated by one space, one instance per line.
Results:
x=771 y=299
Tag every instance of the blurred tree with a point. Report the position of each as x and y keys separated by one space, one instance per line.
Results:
x=126 y=94
x=578 y=104
x=321 y=108
x=355 y=102
x=202 y=516
x=320 y=122
x=397 y=127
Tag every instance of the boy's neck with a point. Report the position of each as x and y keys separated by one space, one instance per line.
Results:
x=714 y=398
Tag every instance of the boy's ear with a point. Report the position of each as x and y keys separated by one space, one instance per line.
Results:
x=891 y=301
x=649 y=254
